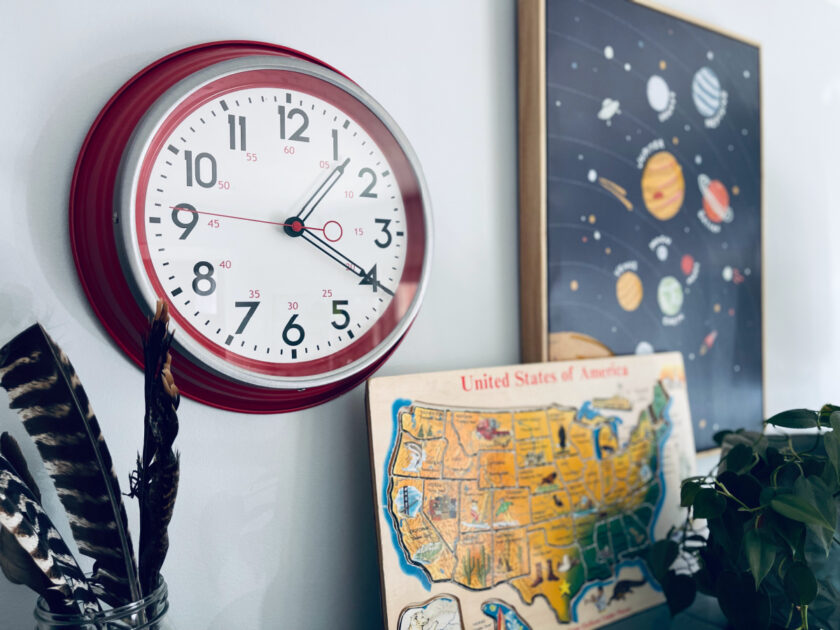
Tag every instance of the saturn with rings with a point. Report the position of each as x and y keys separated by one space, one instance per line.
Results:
x=715 y=199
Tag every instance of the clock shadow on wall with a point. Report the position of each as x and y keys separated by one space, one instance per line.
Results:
x=272 y=203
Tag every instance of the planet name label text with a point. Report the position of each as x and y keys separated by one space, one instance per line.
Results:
x=656 y=145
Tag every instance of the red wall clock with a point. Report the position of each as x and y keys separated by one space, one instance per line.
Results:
x=272 y=203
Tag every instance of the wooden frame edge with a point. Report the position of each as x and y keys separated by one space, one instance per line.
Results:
x=533 y=276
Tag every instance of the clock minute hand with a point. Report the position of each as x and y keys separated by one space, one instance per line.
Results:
x=322 y=191
x=368 y=277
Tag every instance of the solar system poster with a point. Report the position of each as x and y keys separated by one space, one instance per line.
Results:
x=654 y=199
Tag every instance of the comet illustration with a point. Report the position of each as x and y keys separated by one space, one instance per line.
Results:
x=708 y=342
x=617 y=191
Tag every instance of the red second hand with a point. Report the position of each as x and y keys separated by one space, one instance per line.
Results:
x=297 y=226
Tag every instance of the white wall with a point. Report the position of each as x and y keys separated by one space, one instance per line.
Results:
x=274 y=523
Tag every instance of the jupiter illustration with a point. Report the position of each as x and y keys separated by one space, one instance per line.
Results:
x=663 y=185
x=629 y=291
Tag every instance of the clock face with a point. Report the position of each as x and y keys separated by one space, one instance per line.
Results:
x=277 y=210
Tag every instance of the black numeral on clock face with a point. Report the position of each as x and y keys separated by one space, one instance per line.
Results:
x=202 y=163
x=371 y=279
x=385 y=233
x=252 y=308
x=297 y=135
x=188 y=211
x=344 y=320
x=232 y=124
x=203 y=283
x=368 y=192
x=293 y=333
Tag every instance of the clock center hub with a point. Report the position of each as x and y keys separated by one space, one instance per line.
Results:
x=294 y=226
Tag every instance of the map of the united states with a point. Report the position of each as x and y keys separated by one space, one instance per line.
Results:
x=544 y=499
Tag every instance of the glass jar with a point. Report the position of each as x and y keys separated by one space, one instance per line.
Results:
x=145 y=614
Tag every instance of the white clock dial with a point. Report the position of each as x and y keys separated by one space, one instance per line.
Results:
x=269 y=209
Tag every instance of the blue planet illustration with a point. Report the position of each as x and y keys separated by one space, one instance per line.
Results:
x=706 y=92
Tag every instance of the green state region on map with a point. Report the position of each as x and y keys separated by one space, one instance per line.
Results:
x=545 y=499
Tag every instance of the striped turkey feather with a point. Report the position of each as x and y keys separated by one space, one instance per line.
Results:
x=32 y=551
x=44 y=388
x=155 y=482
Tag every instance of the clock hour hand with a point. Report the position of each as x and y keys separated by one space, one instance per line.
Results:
x=368 y=276
x=322 y=191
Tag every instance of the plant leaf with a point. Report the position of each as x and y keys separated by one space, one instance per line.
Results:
x=660 y=557
x=680 y=591
x=831 y=441
x=761 y=554
x=799 y=509
x=814 y=490
x=688 y=491
x=794 y=419
x=800 y=584
x=825 y=414
x=708 y=504
x=719 y=436
x=740 y=459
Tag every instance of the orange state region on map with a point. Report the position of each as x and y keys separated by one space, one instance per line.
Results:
x=580 y=438
x=496 y=469
x=420 y=539
x=511 y=508
x=481 y=431
x=560 y=531
x=440 y=503
x=419 y=458
x=476 y=507
x=549 y=505
x=539 y=479
x=474 y=560
x=457 y=463
x=556 y=574
x=559 y=422
x=592 y=479
x=608 y=480
x=530 y=424
x=422 y=423
x=510 y=555
x=534 y=452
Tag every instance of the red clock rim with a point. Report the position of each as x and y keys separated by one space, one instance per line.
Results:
x=94 y=247
x=400 y=167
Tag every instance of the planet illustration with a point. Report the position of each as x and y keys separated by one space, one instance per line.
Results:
x=669 y=294
x=706 y=92
x=687 y=263
x=568 y=346
x=658 y=93
x=609 y=108
x=629 y=291
x=644 y=347
x=715 y=199
x=663 y=185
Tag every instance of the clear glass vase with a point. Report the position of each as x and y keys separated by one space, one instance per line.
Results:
x=145 y=614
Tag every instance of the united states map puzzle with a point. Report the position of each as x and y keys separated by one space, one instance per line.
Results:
x=541 y=506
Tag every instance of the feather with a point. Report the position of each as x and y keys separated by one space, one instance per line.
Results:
x=155 y=482
x=56 y=413
x=32 y=551
x=10 y=449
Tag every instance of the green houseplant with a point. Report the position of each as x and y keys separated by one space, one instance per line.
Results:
x=770 y=550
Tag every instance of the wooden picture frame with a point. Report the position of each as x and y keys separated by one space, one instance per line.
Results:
x=572 y=58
